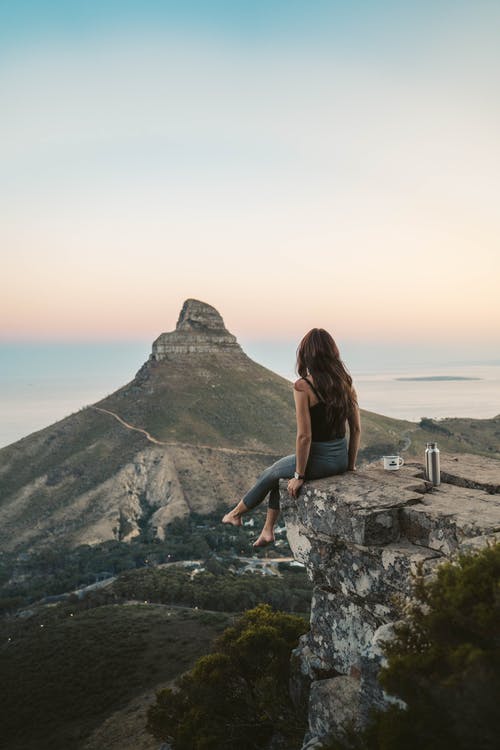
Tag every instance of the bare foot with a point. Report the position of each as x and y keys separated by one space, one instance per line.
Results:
x=232 y=519
x=264 y=539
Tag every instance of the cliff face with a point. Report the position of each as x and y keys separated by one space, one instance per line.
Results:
x=361 y=537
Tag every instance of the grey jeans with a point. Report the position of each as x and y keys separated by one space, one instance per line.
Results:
x=325 y=459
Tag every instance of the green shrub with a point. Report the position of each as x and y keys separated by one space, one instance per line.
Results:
x=237 y=696
x=444 y=663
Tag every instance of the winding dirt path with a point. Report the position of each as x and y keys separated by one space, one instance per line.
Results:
x=155 y=441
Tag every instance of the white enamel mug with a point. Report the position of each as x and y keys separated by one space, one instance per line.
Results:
x=392 y=463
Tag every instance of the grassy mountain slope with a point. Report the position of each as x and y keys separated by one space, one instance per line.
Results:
x=455 y=435
x=223 y=400
x=66 y=668
x=211 y=420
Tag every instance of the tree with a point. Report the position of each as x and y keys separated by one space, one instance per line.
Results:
x=237 y=696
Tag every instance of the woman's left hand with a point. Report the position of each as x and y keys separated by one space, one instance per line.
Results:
x=294 y=486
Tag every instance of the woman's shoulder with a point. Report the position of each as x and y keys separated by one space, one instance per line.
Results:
x=300 y=385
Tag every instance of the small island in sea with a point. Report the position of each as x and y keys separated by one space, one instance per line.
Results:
x=439 y=377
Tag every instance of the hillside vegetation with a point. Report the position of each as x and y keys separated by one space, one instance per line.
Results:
x=65 y=668
x=238 y=695
x=220 y=590
x=49 y=572
x=68 y=667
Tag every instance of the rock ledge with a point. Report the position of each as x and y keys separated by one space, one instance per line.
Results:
x=362 y=536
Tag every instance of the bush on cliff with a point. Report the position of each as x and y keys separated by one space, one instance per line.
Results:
x=444 y=663
x=236 y=696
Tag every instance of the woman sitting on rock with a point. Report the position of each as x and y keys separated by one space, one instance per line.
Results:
x=325 y=401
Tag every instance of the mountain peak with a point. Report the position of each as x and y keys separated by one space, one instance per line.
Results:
x=199 y=329
x=200 y=317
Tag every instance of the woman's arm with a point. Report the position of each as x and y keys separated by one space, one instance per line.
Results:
x=304 y=435
x=354 y=420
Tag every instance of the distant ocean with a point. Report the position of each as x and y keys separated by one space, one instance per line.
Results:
x=41 y=383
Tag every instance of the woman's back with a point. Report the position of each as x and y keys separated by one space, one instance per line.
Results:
x=323 y=429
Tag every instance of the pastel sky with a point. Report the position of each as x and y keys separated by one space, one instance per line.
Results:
x=292 y=162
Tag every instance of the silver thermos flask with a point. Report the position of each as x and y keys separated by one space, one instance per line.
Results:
x=432 y=470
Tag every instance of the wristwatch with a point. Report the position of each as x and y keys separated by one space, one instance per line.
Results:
x=298 y=476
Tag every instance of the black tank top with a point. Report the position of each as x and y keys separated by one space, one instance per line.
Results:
x=321 y=429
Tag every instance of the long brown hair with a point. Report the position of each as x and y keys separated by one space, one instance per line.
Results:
x=319 y=354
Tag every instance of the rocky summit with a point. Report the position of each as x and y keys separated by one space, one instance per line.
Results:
x=200 y=330
x=189 y=433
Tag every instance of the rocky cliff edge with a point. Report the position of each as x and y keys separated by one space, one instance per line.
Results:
x=362 y=536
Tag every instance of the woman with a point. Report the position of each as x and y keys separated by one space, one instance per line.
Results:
x=324 y=401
